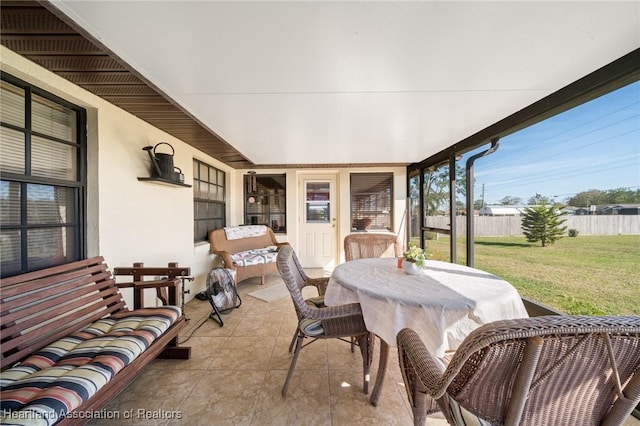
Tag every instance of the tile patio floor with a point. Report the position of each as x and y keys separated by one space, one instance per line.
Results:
x=236 y=372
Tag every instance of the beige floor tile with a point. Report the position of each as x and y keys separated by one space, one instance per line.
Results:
x=249 y=353
x=203 y=351
x=350 y=406
x=236 y=372
x=307 y=401
x=223 y=397
x=153 y=398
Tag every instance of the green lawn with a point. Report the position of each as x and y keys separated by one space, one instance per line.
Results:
x=586 y=275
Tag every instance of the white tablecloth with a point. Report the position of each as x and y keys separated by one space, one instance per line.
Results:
x=443 y=306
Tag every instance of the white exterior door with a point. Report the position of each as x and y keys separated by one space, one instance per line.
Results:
x=319 y=225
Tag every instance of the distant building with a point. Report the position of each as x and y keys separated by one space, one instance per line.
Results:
x=607 y=209
x=502 y=210
x=621 y=209
x=582 y=211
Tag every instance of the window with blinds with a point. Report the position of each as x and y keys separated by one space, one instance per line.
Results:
x=371 y=201
x=209 y=206
x=42 y=145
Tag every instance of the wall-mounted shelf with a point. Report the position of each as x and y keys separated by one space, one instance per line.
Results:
x=163 y=181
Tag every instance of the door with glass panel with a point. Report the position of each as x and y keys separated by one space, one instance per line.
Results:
x=318 y=246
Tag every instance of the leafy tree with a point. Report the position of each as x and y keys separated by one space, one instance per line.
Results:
x=540 y=199
x=623 y=196
x=611 y=196
x=511 y=201
x=436 y=188
x=587 y=198
x=543 y=223
x=478 y=204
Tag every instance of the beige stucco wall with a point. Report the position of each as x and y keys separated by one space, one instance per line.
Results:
x=132 y=221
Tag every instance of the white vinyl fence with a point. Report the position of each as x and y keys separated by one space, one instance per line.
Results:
x=497 y=226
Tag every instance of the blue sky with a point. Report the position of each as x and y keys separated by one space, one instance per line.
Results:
x=593 y=146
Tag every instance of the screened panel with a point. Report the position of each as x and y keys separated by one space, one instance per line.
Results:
x=12 y=151
x=371 y=201
x=414 y=210
x=53 y=119
x=53 y=159
x=437 y=198
x=12 y=111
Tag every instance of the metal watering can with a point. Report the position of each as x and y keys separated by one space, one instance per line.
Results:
x=161 y=163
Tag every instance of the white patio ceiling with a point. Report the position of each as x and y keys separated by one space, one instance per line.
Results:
x=307 y=82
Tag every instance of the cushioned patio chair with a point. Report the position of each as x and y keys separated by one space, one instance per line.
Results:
x=370 y=245
x=321 y=322
x=550 y=370
x=320 y=284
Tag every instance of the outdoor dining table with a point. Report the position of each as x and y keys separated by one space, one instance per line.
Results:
x=443 y=305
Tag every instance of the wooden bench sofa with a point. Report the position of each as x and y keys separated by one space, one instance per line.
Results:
x=249 y=250
x=69 y=344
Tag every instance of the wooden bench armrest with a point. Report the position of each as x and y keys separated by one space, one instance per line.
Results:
x=150 y=284
x=161 y=286
x=138 y=271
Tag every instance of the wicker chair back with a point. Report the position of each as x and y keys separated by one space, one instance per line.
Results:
x=370 y=245
x=535 y=371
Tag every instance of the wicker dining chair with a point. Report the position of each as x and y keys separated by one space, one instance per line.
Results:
x=320 y=285
x=322 y=322
x=370 y=245
x=549 y=370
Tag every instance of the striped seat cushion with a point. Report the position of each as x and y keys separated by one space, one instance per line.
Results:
x=317 y=301
x=311 y=327
x=62 y=376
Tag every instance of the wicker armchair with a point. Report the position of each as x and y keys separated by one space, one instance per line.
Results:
x=369 y=245
x=551 y=370
x=321 y=322
x=320 y=284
